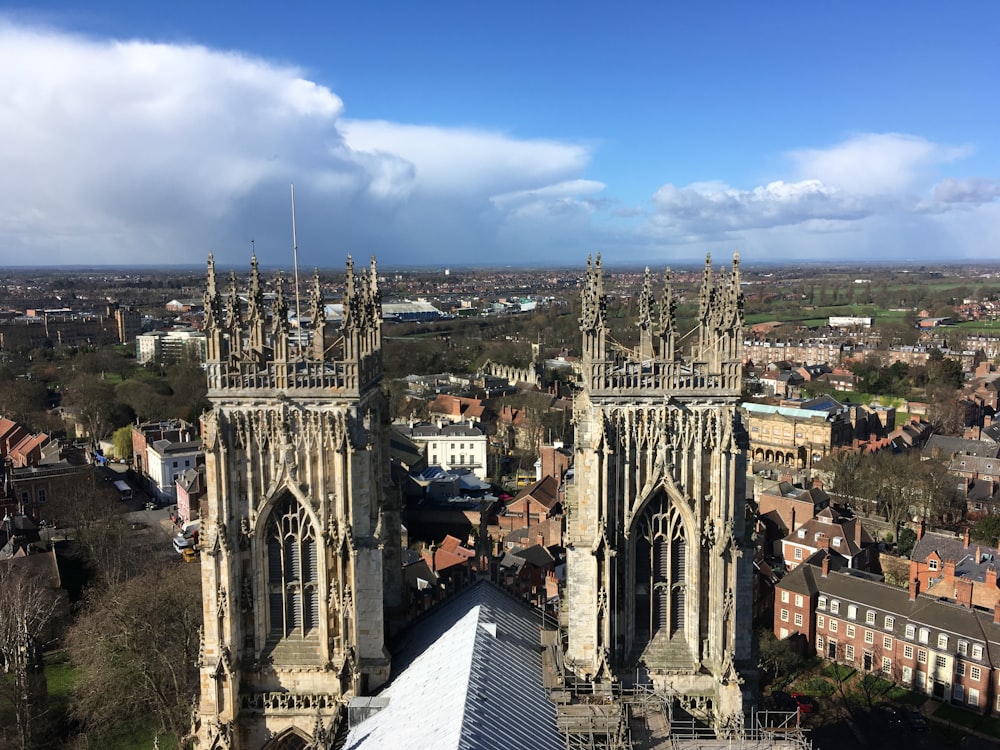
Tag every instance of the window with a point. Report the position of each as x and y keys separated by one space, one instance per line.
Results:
x=292 y=572
x=870 y=617
x=940 y=662
x=932 y=564
x=784 y=615
x=886 y=665
x=910 y=630
x=887 y=643
x=960 y=669
x=869 y=637
x=798 y=553
x=798 y=619
x=833 y=626
x=925 y=635
x=977 y=651
x=41 y=495
x=907 y=675
x=963 y=648
x=849 y=652
x=852 y=612
x=890 y=622
x=975 y=674
x=784 y=597
x=959 y=693
x=922 y=656
x=973 y=697
x=820 y=621
x=942 y=641
x=819 y=644
x=822 y=603
x=907 y=651
x=850 y=631
x=798 y=600
x=175 y=464
x=835 y=606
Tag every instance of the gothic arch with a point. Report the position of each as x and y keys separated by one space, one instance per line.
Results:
x=289 y=555
x=663 y=549
x=290 y=739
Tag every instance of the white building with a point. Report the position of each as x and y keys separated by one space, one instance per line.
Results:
x=167 y=460
x=170 y=346
x=450 y=446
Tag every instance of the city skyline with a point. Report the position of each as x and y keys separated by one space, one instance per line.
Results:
x=457 y=134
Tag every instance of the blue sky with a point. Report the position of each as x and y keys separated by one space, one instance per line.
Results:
x=449 y=133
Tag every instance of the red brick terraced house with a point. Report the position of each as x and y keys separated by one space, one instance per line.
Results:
x=936 y=647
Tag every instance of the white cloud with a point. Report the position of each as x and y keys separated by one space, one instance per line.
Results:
x=131 y=151
x=873 y=185
x=876 y=163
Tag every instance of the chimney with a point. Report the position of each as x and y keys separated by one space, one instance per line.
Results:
x=967 y=540
x=963 y=592
x=920 y=530
x=914 y=589
x=857 y=531
x=949 y=570
x=826 y=564
x=996 y=613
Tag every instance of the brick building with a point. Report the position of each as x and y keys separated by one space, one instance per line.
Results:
x=935 y=647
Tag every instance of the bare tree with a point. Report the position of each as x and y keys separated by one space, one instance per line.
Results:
x=26 y=609
x=136 y=647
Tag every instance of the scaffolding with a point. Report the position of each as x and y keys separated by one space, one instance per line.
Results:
x=616 y=716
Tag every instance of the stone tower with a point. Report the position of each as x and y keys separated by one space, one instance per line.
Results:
x=658 y=556
x=300 y=538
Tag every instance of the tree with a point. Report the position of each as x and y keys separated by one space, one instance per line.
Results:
x=26 y=609
x=986 y=530
x=136 y=646
x=95 y=398
x=907 y=538
x=122 y=439
x=780 y=660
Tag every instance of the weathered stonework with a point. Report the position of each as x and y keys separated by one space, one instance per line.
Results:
x=300 y=540
x=658 y=554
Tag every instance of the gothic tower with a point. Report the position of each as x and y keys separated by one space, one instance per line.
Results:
x=658 y=555
x=300 y=537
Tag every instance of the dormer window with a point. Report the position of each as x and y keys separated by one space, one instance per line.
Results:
x=802 y=533
x=837 y=541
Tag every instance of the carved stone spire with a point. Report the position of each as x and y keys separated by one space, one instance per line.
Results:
x=212 y=300
x=350 y=320
x=668 y=318
x=645 y=322
x=317 y=313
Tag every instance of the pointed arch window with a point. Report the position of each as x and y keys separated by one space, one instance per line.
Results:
x=661 y=570
x=292 y=572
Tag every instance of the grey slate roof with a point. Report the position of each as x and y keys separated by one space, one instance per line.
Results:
x=469 y=676
x=937 y=615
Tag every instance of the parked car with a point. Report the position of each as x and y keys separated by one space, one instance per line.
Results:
x=806 y=704
x=182 y=543
x=189 y=554
x=916 y=720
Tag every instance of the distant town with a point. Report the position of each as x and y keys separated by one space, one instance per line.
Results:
x=868 y=397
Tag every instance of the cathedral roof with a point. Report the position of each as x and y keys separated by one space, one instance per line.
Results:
x=469 y=675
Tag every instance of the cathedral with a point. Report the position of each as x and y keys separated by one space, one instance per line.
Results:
x=301 y=539
x=658 y=559
x=301 y=563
